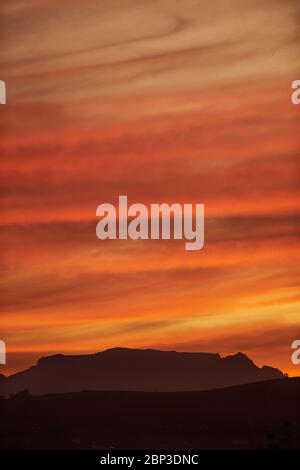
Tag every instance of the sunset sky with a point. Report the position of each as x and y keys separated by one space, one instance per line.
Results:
x=183 y=101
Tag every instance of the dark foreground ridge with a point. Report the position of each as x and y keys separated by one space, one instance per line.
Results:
x=136 y=370
x=264 y=415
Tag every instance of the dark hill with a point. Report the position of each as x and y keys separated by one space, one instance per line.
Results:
x=261 y=415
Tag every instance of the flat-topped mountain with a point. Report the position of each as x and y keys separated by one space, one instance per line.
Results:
x=136 y=370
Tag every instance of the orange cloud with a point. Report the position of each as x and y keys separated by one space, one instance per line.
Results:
x=184 y=103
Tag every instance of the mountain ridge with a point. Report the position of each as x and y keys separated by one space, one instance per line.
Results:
x=136 y=370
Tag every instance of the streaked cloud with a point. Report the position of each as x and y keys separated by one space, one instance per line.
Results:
x=184 y=101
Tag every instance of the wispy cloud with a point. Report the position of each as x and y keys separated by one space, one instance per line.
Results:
x=166 y=102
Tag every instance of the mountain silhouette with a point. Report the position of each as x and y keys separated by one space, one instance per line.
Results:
x=2 y=382
x=136 y=370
